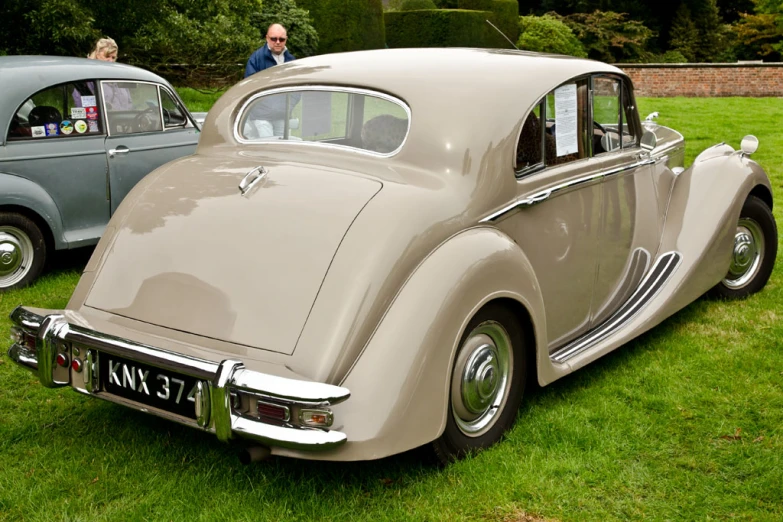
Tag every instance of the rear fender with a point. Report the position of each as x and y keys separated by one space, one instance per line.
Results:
x=21 y=192
x=400 y=383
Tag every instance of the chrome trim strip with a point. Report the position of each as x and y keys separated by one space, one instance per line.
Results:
x=305 y=439
x=323 y=88
x=543 y=195
x=215 y=410
x=23 y=357
x=289 y=389
x=660 y=273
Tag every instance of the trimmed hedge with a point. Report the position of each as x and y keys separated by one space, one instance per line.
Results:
x=505 y=15
x=346 y=25
x=438 y=28
x=417 y=5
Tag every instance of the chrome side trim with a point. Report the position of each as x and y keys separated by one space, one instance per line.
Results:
x=543 y=195
x=215 y=409
x=660 y=274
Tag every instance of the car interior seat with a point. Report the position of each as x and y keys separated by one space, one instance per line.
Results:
x=42 y=114
x=384 y=133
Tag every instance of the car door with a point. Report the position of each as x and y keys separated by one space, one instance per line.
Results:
x=558 y=223
x=629 y=226
x=52 y=143
x=147 y=127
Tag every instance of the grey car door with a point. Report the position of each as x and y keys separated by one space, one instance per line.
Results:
x=147 y=128
x=52 y=143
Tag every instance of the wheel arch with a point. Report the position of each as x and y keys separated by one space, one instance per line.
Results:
x=763 y=193
x=25 y=197
x=400 y=383
x=35 y=217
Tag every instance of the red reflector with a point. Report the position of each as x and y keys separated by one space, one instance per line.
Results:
x=62 y=360
x=76 y=364
x=273 y=411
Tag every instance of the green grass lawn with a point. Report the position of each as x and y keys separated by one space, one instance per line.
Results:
x=685 y=423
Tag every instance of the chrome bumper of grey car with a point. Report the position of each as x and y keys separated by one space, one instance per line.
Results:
x=59 y=345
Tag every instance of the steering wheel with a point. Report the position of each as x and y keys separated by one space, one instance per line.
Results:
x=147 y=120
x=599 y=127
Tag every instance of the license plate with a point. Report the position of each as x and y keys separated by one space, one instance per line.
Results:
x=148 y=385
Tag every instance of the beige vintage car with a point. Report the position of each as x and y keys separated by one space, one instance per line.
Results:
x=374 y=251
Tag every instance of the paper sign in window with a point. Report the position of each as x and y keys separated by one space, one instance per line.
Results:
x=566 y=137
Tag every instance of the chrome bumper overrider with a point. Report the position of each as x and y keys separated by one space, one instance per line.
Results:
x=214 y=404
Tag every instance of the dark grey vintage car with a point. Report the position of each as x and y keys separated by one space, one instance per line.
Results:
x=76 y=135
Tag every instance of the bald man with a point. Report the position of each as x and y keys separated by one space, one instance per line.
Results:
x=272 y=53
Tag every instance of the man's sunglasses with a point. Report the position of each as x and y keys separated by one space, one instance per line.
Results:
x=277 y=39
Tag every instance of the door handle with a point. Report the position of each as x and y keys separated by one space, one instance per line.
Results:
x=122 y=149
x=251 y=178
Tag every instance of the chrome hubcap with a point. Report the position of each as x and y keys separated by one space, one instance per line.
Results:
x=16 y=253
x=481 y=378
x=747 y=255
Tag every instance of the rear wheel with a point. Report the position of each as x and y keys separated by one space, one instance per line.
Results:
x=487 y=383
x=755 y=249
x=22 y=251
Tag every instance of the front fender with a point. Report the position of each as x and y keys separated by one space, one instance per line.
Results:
x=702 y=215
x=400 y=383
x=21 y=192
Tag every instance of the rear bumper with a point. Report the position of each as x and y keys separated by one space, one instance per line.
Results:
x=222 y=393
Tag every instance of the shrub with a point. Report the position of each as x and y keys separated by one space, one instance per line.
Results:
x=417 y=5
x=437 y=28
x=609 y=36
x=346 y=25
x=548 y=34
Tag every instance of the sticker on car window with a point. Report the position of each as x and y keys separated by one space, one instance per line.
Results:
x=92 y=113
x=38 y=132
x=93 y=126
x=88 y=101
x=80 y=126
x=78 y=113
x=565 y=120
x=66 y=127
x=52 y=129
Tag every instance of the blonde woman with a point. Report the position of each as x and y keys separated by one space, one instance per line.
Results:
x=105 y=50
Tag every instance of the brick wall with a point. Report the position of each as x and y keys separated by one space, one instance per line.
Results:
x=709 y=79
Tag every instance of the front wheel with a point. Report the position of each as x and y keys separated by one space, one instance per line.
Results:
x=487 y=383
x=755 y=249
x=22 y=251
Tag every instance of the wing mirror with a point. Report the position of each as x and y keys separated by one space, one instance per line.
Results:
x=649 y=141
x=749 y=145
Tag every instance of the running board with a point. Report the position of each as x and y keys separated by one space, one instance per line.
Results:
x=648 y=288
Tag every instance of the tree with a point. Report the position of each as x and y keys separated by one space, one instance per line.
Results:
x=56 y=27
x=609 y=36
x=684 y=34
x=760 y=35
x=548 y=34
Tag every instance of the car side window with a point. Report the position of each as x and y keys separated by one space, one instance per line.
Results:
x=614 y=116
x=173 y=116
x=131 y=107
x=554 y=132
x=63 y=111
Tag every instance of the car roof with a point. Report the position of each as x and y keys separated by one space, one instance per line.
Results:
x=23 y=76
x=444 y=87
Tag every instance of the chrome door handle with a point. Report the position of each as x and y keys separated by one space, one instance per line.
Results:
x=251 y=178
x=122 y=149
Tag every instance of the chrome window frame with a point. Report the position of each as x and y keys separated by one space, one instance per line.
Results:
x=323 y=88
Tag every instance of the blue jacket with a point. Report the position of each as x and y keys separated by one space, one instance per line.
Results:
x=262 y=59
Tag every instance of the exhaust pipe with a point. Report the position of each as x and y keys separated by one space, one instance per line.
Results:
x=253 y=454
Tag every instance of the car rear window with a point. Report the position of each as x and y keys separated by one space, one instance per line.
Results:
x=358 y=119
x=63 y=111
